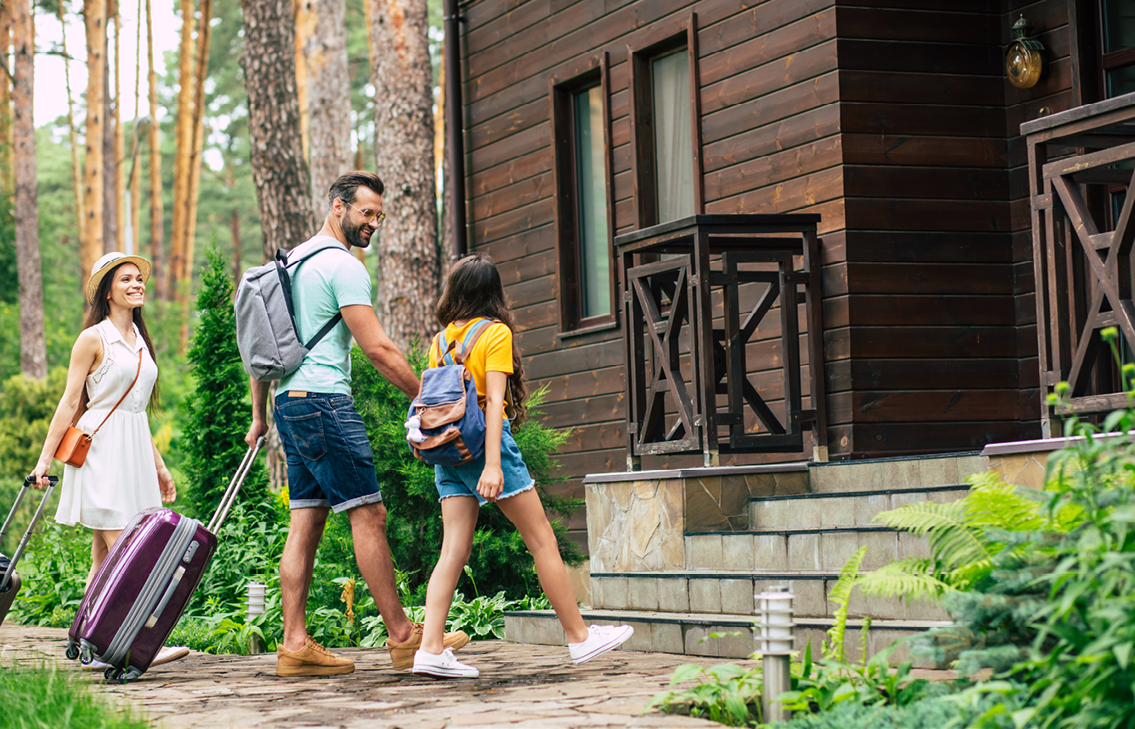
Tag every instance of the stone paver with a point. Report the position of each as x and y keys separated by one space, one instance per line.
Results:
x=520 y=686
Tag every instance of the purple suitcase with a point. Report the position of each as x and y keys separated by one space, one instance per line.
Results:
x=9 y=579
x=144 y=584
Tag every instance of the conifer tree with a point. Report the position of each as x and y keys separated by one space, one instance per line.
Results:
x=218 y=411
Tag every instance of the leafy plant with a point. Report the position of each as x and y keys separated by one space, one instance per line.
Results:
x=54 y=575
x=727 y=693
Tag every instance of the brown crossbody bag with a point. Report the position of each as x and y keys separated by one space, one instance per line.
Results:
x=73 y=448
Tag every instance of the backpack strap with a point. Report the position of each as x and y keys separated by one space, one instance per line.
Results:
x=282 y=265
x=455 y=352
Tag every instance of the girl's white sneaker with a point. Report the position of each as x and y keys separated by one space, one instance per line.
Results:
x=602 y=638
x=443 y=665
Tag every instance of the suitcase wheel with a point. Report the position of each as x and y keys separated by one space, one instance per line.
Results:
x=111 y=673
x=85 y=656
x=72 y=651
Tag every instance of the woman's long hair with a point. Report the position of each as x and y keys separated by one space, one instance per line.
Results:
x=100 y=310
x=473 y=290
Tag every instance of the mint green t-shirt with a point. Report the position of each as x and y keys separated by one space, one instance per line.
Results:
x=321 y=286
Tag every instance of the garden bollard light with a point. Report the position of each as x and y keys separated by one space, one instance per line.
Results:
x=774 y=619
x=255 y=607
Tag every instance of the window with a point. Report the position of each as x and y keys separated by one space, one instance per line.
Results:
x=591 y=204
x=665 y=128
x=673 y=155
x=1118 y=58
x=583 y=212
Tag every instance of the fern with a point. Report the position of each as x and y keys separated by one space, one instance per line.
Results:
x=913 y=579
x=840 y=594
x=954 y=541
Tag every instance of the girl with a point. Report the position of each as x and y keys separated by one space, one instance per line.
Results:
x=113 y=355
x=474 y=291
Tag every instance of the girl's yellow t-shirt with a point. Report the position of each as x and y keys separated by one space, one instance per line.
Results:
x=491 y=353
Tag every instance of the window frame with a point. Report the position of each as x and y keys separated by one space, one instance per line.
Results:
x=1112 y=61
x=643 y=169
x=562 y=93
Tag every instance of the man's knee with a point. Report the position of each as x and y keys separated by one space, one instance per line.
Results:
x=369 y=516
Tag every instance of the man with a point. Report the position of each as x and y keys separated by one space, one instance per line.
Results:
x=330 y=463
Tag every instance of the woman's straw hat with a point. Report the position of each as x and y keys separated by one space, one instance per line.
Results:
x=108 y=263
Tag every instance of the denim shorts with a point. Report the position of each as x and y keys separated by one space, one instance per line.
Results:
x=462 y=480
x=330 y=462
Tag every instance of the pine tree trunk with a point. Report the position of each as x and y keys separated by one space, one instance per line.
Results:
x=183 y=133
x=135 y=144
x=33 y=353
x=109 y=166
x=305 y=25
x=73 y=131
x=409 y=276
x=157 y=253
x=329 y=98
x=119 y=139
x=94 y=16
x=6 y=179
x=441 y=165
x=281 y=176
x=200 y=73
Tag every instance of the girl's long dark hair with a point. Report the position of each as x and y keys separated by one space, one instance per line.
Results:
x=473 y=290
x=100 y=310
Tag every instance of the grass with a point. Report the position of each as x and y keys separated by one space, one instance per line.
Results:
x=44 y=697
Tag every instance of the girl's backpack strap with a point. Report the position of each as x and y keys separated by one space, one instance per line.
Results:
x=471 y=338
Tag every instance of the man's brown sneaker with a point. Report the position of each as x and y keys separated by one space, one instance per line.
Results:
x=403 y=653
x=313 y=660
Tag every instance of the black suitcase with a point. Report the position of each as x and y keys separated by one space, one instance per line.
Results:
x=9 y=580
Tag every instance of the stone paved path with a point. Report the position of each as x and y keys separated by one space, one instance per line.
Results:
x=520 y=686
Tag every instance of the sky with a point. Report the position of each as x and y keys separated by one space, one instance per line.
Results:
x=50 y=91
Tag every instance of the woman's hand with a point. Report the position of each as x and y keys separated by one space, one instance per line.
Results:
x=40 y=473
x=491 y=483
x=167 y=486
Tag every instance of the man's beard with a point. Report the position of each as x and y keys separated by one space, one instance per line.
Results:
x=353 y=234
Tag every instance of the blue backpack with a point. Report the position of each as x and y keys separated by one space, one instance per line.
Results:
x=446 y=425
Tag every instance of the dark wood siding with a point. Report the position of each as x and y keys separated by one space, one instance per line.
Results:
x=891 y=119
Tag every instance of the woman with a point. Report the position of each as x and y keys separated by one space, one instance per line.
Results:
x=123 y=473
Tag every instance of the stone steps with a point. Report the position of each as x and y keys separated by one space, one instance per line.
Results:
x=683 y=632
x=810 y=548
x=842 y=508
x=731 y=593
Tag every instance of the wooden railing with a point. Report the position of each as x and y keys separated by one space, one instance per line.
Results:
x=670 y=275
x=1081 y=163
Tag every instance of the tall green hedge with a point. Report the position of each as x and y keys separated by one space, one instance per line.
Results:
x=218 y=411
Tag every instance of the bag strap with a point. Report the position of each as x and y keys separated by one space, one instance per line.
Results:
x=282 y=266
x=132 y=382
x=455 y=352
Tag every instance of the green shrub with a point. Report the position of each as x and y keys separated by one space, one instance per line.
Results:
x=54 y=575
x=49 y=698
x=499 y=560
x=218 y=411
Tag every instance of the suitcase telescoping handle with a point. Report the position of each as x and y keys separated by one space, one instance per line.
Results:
x=234 y=487
x=29 y=481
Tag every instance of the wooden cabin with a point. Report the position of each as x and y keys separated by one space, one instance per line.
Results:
x=894 y=122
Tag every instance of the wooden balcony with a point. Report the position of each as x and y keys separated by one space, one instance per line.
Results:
x=1081 y=165
x=688 y=383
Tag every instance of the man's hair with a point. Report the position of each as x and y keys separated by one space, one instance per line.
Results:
x=344 y=188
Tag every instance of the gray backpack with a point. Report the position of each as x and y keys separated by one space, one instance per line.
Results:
x=266 y=331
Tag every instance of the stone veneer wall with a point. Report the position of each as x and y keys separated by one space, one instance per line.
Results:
x=640 y=526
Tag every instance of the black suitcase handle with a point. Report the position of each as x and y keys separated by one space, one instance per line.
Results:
x=29 y=481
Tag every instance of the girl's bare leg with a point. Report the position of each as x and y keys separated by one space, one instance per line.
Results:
x=527 y=513
x=103 y=540
x=459 y=519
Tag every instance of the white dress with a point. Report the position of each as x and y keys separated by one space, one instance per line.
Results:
x=119 y=477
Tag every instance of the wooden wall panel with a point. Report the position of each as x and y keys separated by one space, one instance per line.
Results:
x=890 y=118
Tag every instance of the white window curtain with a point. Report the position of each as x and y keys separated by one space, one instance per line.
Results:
x=591 y=196
x=673 y=142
